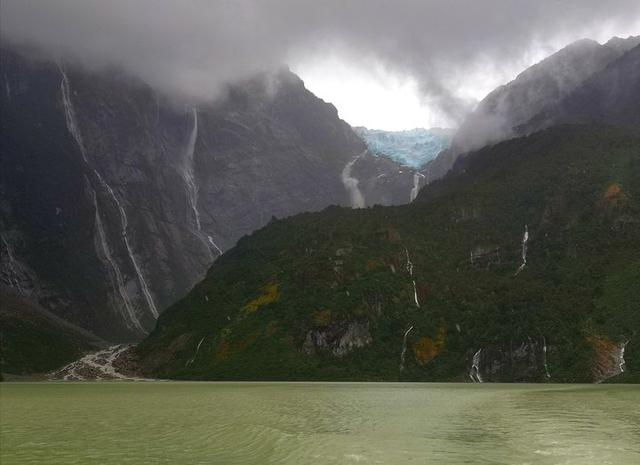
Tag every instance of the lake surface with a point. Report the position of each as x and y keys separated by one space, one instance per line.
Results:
x=317 y=423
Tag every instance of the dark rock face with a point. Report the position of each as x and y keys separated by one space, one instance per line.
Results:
x=382 y=181
x=337 y=339
x=115 y=200
x=524 y=361
x=507 y=111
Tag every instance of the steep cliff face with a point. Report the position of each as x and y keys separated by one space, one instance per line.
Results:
x=116 y=199
x=505 y=270
x=507 y=111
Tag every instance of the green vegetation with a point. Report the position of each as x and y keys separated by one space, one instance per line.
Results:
x=32 y=343
x=577 y=189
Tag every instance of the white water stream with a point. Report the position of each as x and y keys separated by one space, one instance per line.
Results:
x=96 y=365
x=416 y=186
x=72 y=126
x=404 y=347
x=525 y=240
x=15 y=278
x=188 y=174
x=474 y=373
x=115 y=275
x=351 y=184
x=193 y=359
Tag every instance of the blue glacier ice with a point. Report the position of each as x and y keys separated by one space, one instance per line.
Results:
x=413 y=147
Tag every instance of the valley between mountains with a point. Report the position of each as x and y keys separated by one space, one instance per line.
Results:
x=260 y=237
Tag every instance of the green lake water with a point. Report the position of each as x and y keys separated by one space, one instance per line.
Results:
x=317 y=423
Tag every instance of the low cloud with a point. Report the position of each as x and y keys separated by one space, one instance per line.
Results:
x=195 y=47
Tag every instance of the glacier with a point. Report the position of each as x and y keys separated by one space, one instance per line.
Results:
x=413 y=148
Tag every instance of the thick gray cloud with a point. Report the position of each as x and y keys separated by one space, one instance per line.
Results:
x=194 y=47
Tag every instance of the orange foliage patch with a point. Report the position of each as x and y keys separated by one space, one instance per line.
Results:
x=223 y=350
x=373 y=265
x=322 y=318
x=614 y=195
x=426 y=349
x=269 y=294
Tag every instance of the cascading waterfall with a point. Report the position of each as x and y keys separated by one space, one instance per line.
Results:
x=115 y=275
x=96 y=365
x=351 y=184
x=544 y=358
x=124 y=222
x=189 y=178
x=404 y=347
x=72 y=126
x=192 y=359
x=525 y=240
x=410 y=270
x=621 y=362
x=192 y=187
x=416 y=186
x=12 y=266
x=474 y=373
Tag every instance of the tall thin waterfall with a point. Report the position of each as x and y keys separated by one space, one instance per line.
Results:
x=73 y=128
x=525 y=240
x=474 y=373
x=404 y=347
x=416 y=186
x=115 y=275
x=351 y=184
x=188 y=174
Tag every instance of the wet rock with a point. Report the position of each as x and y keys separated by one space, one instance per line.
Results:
x=338 y=339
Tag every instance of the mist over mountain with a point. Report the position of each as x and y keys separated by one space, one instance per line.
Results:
x=118 y=198
x=505 y=112
x=519 y=265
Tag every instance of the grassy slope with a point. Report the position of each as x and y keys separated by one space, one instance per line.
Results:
x=577 y=188
x=31 y=342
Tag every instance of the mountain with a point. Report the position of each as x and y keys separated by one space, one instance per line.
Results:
x=412 y=148
x=521 y=265
x=116 y=199
x=507 y=110
x=611 y=95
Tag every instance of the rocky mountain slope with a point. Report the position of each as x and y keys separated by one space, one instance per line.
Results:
x=116 y=199
x=507 y=111
x=520 y=266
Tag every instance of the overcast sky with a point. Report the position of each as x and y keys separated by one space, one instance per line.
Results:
x=385 y=64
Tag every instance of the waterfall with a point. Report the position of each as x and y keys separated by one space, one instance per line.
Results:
x=96 y=365
x=124 y=222
x=544 y=359
x=192 y=359
x=72 y=126
x=474 y=373
x=404 y=347
x=413 y=281
x=115 y=275
x=188 y=173
x=12 y=266
x=416 y=186
x=351 y=184
x=621 y=362
x=525 y=240
x=189 y=178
